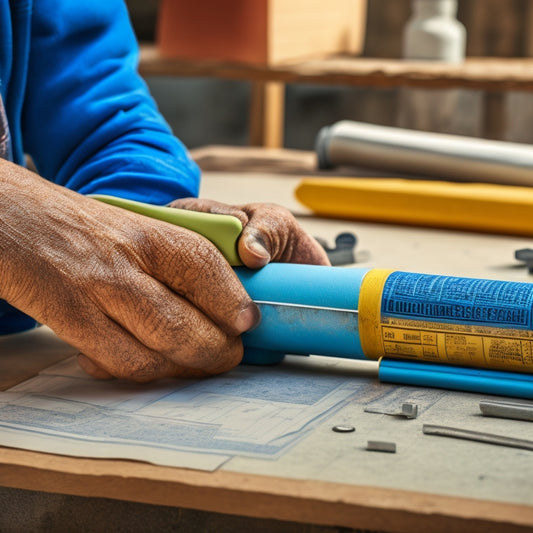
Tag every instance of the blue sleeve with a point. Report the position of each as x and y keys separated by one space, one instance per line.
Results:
x=89 y=122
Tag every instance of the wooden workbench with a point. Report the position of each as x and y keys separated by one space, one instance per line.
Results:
x=430 y=485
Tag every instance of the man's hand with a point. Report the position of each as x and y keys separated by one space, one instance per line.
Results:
x=140 y=298
x=270 y=233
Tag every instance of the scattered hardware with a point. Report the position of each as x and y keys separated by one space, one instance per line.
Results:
x=507 y=409
x=408 y=410
x=343 y=253
x=381 y=446
x=525 y=255
x=488 y=438
x=343 y=429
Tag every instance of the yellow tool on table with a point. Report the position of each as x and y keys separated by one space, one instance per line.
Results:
x=503 y=209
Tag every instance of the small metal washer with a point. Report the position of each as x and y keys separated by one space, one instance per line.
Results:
x=343 y=429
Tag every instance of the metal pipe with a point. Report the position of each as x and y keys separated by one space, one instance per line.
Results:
x=397 y=150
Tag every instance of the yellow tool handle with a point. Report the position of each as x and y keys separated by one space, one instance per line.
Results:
x=467 y=206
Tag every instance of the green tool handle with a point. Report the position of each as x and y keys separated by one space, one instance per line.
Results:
x=222 y=230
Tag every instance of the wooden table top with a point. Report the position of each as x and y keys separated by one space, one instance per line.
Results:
x=438 y=485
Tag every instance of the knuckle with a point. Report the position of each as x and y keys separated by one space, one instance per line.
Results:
x=213 y=353
x=138 y=369
x=186 y=252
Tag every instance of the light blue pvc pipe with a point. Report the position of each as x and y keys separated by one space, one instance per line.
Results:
x=316 y=330
x=457 y=378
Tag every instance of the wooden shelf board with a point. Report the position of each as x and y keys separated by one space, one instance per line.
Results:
x=492 y=74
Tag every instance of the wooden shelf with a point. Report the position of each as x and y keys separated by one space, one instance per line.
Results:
x=490 y=74
x=494 y=76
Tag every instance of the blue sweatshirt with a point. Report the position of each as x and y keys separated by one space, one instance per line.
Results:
x=76 y=104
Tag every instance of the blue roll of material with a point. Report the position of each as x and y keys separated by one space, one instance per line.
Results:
x=428 y=330
x=305 y=309
x=457 y=378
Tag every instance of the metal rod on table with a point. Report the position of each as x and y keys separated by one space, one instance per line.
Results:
x=398 y=150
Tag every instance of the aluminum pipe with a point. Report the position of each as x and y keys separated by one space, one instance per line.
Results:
x=437 y=155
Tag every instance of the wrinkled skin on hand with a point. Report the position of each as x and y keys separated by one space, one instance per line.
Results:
x=140 y=298
x=270 y=233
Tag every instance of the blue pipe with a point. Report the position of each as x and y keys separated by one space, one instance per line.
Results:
x=424 y=320
x=457 y=378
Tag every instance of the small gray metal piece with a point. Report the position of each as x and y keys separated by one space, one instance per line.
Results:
x=381 y=446
x=507 y=409
x=343 y=429
x=343 y=253
x=408 y=410
x=525 y=255
x=488 y=438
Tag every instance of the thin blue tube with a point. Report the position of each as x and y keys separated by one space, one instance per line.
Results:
x=457 y=378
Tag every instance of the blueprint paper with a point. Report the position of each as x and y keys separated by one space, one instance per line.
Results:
x=249 y=411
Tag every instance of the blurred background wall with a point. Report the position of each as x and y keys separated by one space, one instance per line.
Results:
x=209 y=111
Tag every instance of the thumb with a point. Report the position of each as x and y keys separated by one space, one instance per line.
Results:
x=283 y=241
x=253 y=249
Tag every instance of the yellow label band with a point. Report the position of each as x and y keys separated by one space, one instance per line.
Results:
x=370 y=297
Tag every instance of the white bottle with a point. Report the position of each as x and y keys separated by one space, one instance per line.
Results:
x=433 y=33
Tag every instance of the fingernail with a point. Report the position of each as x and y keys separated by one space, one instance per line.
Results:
x=248 y=318
x=257 y=249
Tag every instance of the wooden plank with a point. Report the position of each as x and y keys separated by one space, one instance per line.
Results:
x=475 y=73
x=304 y=501
x=494 y=28
x=267 y=114
x=235 y=159
x=385 y=23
